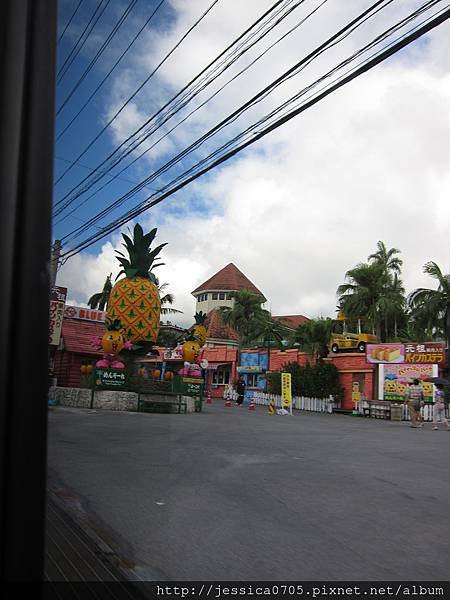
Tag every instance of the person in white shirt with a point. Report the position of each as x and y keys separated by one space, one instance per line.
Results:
x=439 y=408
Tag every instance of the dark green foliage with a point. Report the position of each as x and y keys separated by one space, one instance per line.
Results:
x=312 y=381
x=99 y=301
x=140 y=257
x=200 y=318
x=313 y=336
x=115 y=325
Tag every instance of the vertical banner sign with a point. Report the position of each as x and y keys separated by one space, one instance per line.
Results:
x=57 y=303
x=286 y=391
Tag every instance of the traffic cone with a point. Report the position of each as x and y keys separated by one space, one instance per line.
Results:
x=227 y=403
x=271 y=410
x=252 y=405
x=208 y=398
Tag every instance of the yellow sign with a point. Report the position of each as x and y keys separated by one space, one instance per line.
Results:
x=286 y=393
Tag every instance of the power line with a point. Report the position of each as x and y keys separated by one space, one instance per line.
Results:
x=70 y=21
x=110 y=71
x=76 y=50
x=177 y=45
x=66 y=160
x=341 y=34
x=375 y=60
x=179 y=105
x=103 y=47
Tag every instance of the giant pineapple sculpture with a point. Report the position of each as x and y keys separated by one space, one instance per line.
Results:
x=134 y=299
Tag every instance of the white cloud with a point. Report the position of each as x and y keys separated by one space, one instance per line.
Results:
x=311 y=200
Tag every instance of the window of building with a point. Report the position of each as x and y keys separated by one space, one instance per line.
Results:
x=229 y=297
x=252 y=379
x=221 y=296
x=203 y=297
x=214 y=296
x=221 y=376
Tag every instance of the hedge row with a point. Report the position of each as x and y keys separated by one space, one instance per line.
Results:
x=311 y=381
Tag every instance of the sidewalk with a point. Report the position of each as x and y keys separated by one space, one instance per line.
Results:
x=70 y=554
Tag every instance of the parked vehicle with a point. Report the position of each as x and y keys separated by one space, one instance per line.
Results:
x=347 y=334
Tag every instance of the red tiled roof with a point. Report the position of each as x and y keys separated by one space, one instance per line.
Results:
x=229 y=278
x=292 y=321
x=216 y=329
x=77 y=335
x=220 y=355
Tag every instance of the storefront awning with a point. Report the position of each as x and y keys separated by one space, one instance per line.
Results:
x=251 y=369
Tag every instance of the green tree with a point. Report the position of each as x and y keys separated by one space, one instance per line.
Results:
x=387 y=259
x=165 y=297
x=99 y=301
x=433 y=306
x=246 y=316
x=392 y=303
x=311 y=381
x=362 y=295
x=313 y=336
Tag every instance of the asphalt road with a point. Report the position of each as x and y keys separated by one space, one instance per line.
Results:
x=233 y=495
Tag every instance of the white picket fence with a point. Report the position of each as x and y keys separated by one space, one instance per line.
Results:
x=426 y=411
x=326 y=405
x=323 y=405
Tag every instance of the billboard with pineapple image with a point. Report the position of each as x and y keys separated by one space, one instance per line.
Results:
x=394 y=379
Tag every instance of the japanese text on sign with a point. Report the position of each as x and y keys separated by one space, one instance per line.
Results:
x=55 y=324
x=286 y=393
x=425 y=353
x=110 y=378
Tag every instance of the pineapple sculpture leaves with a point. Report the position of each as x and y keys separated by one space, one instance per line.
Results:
x=199 y=330
x=134 y=299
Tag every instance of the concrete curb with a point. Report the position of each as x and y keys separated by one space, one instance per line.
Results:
x=113 y=551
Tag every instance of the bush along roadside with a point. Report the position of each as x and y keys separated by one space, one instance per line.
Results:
x=316 y=381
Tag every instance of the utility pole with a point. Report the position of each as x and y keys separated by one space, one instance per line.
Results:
x=54 y=261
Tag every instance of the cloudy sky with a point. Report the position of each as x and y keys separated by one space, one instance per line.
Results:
x=301 y=206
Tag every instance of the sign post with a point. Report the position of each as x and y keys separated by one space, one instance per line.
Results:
x=190 y=386
x=286 y=391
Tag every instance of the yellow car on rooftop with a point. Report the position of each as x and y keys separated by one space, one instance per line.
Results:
x=342 y=339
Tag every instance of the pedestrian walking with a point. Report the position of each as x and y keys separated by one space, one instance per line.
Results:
x=439 y=407
x=228 y=391
x=414 y=399
x=240 y=389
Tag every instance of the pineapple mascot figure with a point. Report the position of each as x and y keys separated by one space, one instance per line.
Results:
x=192 y=348
x=134 y=299
x=199 y=330
x=112 y=343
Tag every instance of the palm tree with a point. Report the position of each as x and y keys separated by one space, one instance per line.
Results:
x=387 y=259
x=314 y=336
x=99 y=301
x=362 y=295
x=392 y=304
x=166 y=298
x=246 y=315
x=433 y=306
x=270 y=331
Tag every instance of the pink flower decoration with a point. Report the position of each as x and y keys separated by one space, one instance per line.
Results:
x=96 y=341
x=128 y=345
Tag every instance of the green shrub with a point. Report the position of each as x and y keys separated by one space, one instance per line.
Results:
x=314 y=381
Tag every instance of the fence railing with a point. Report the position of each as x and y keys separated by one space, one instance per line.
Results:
x=426 y=411
x=326 y=405
x=323 y=405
